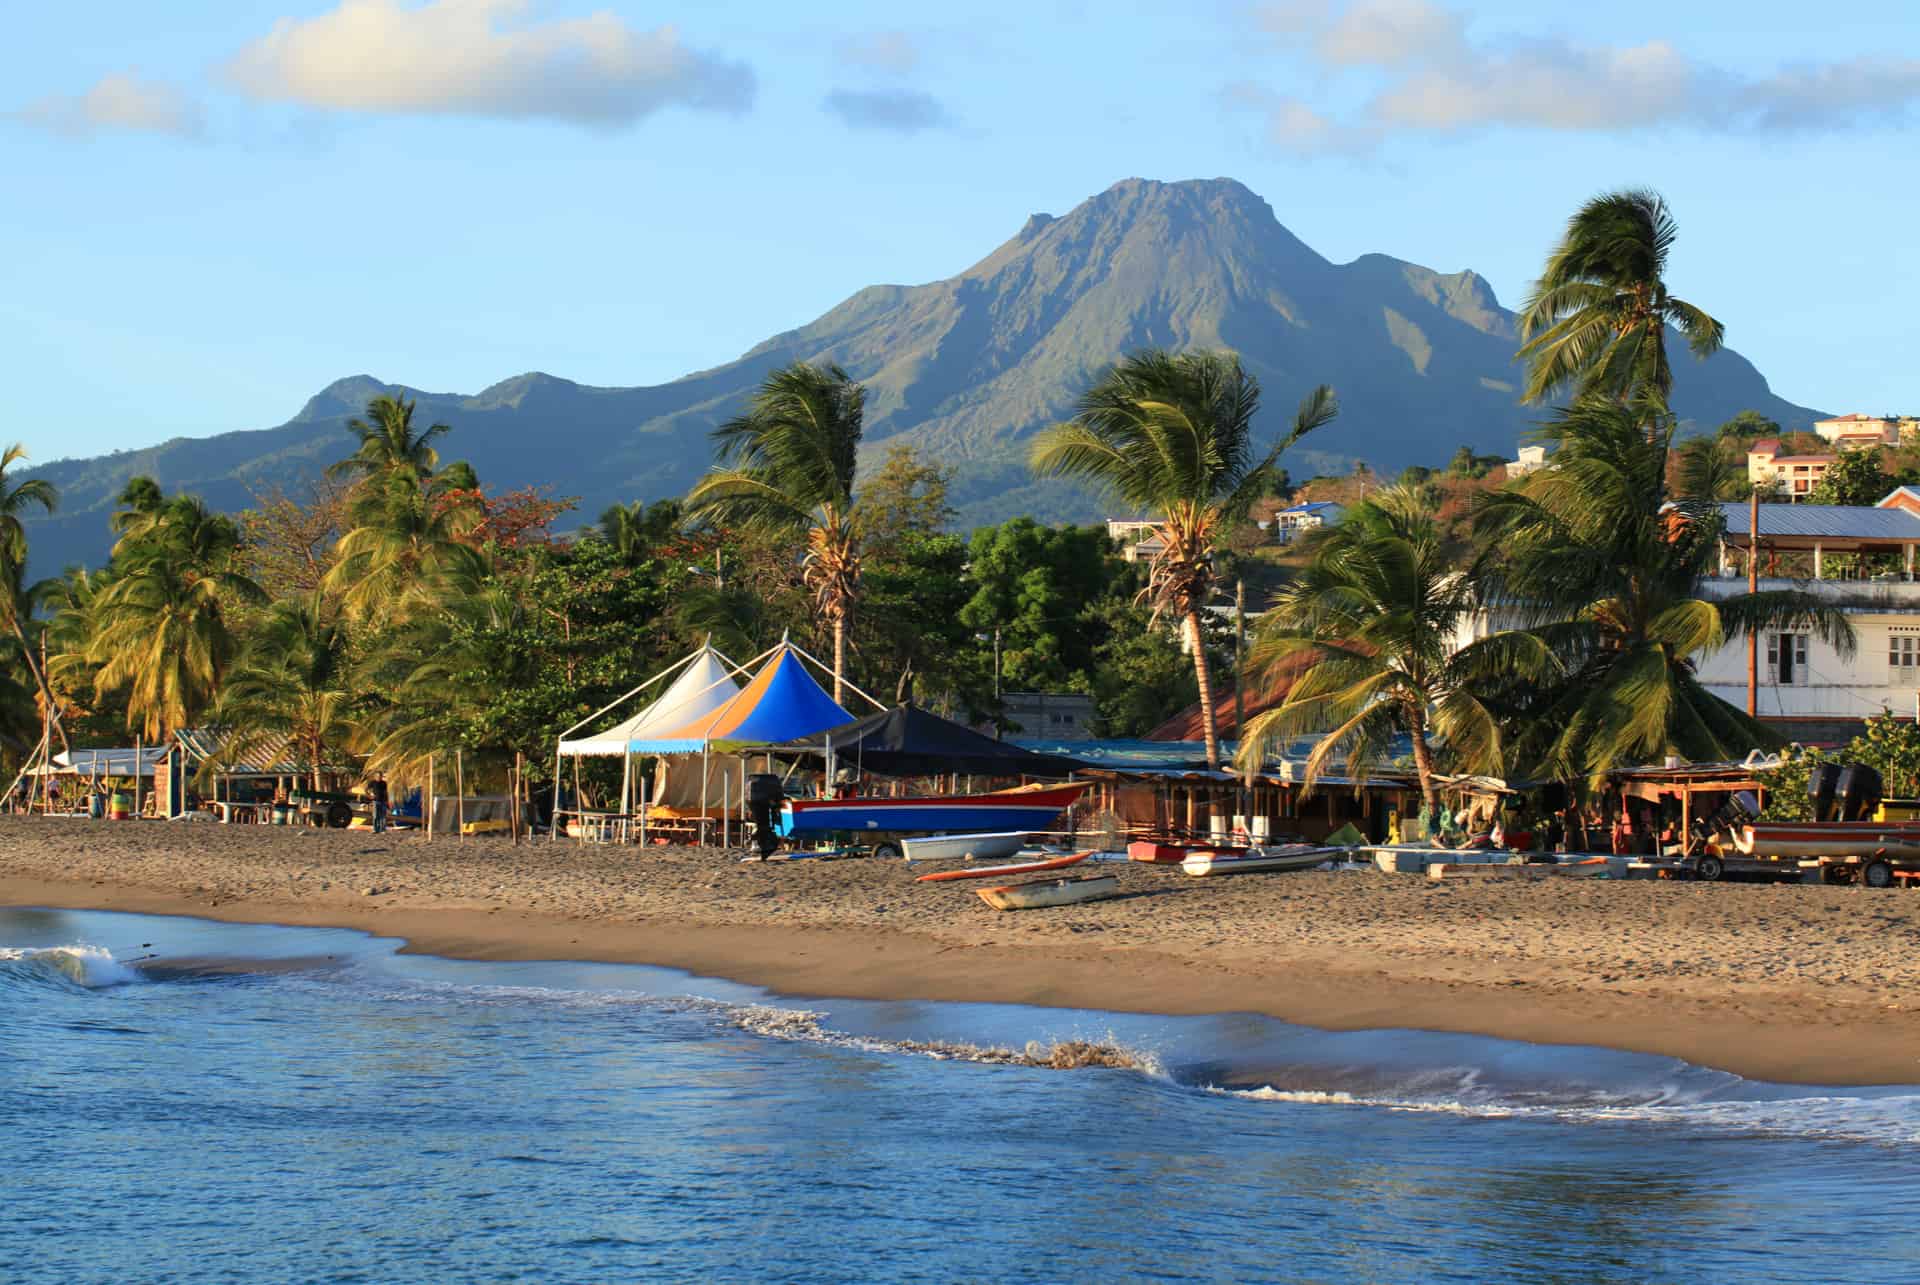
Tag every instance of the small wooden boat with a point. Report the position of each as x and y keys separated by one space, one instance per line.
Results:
x=1161 y=852
x=1021 y=868
x=1828 y=838
x=1038 y=893
x=964 y=847
x=1028 y=808
x=1257 y=859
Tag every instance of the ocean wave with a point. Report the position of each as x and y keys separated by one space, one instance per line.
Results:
x=803 y=1025
x=88 y=967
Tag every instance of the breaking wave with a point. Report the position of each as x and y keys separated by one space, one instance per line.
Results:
x=86 y=967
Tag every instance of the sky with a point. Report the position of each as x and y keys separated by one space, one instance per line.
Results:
x=214 y=208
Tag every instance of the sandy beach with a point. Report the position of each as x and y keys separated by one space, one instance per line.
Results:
x=1790 y=983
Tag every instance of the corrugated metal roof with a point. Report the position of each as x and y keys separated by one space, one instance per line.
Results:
x=267 y=757
x=1816 y=521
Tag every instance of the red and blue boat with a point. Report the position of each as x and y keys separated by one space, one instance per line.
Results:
x=1028 y=808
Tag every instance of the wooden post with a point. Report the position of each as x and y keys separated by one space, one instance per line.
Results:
x=513 y=803
x=460 y=793
x=138 y=748
x=429 y=797
x=1753 y=586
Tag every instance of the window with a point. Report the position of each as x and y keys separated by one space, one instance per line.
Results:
x=1787 y=659
x=1900 y=651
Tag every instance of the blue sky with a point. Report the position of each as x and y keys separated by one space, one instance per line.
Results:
x=215 y=207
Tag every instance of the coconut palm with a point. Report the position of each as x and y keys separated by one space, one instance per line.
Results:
x=407 y=548
x=16 y=500
x=1172 y=435
x=787 y=466
x=636 y=528
x=1367 y=634
x=1609 y=577
x=1712 y=469
x=164 y=635
x=294 y=685
x=388 y=443
x=139 y=500
x=1597 y=319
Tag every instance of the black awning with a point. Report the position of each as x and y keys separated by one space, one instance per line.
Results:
x=908 y=741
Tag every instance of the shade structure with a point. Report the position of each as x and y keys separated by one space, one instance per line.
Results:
x=909 y=741
x=782 y=703
x=705 y=685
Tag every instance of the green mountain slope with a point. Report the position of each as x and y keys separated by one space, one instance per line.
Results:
x=971 y=366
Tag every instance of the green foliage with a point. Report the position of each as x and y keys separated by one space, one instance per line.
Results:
x=1034 y=584
x=1466 y=463
x=1855 y=477
x=1748 y=426
x=1891 y=746
x=1786 y=785
x=1712 y=468
x=1140 y=677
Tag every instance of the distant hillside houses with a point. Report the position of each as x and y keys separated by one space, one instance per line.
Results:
x=1532 y=460
x=1846 y=431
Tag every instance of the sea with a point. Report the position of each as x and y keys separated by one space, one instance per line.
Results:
x=184 y=1100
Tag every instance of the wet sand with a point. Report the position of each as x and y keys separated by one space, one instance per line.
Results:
x=1795 y=983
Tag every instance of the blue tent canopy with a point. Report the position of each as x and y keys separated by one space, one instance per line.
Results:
x=782 y=703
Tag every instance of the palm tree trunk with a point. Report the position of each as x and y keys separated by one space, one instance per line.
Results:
x=40 y=680
x=1205 y=679
x=1423 y=765
x=839 y=654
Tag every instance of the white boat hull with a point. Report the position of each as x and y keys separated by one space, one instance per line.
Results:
x=1269 y=860
x=964 y=847
x=1051 y=892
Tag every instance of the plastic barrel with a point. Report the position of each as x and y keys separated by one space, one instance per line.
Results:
x=122 y=805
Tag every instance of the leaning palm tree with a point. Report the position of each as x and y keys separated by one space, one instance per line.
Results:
x=294 y=686
x=1367 y=636
x=1597 y=319
x=389 y=444
x=1172 y=434
x=1601 y=570
x=16 y=499
x=786 y=466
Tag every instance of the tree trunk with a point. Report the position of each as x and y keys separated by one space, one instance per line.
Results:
x=839 y=654
x=1423 y=766
x=40 y=680
x=1207 y=728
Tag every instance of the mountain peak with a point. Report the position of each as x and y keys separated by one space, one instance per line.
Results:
x=347 y=396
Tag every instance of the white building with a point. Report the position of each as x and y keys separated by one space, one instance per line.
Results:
x=1138 y=538
x=1867 y=430
x=1532 y=460
x=1306 y=517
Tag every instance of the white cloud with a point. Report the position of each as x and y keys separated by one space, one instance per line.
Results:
x=479 y=58
x=1423 y=74
x=889 y=51
x=901 y=111
x=121 y=101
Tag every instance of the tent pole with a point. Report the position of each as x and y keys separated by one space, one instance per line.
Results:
x=643 y=809
x=726 y=810
x=553 y=834
x=430 y=784
x=460 y=793
x=137 y=756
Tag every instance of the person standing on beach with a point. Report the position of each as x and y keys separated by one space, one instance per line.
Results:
x=377 y=794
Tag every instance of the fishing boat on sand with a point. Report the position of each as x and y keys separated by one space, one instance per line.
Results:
x=1290 y=857
x=1828 y=838
x=964 y=847
x=1039 y=893
x=993 y=872
x=1025 y=809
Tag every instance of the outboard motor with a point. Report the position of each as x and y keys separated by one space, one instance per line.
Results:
x=1823 y=779
x=764 y=795
x=1859 y=790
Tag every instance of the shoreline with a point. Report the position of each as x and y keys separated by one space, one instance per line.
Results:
x=1788 y=1034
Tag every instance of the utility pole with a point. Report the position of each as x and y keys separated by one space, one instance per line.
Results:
x=1239 y=700
x=997 y=711
x=1753 y=586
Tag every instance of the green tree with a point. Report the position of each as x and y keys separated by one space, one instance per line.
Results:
x=1854 y=478
x=1748 y=426
x=1034 y=585
x=906 y=497
x=1597 y=319
x=164 y=638
x=294 y=686
x=1140 y=676
x=17 y=498
x=407 y=551
x=787 y=466
x=637 y=528
x=1609 y=577
x=1173 y=435
x=388 y=443
x=1366 y=634
x=1713 y=468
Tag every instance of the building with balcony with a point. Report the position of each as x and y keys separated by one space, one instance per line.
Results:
x=1532 y=460
x=1792 y=477
x=1867 y=430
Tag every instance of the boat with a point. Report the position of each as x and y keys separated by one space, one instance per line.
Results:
x=1828 y=838
x=1020 y=868
x=1291 y=857
x=964 y=847
x=1026 y=809
x=1162 y=852
x=1037 y=893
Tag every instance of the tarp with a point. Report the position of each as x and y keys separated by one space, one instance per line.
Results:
x=909 y=741
x=782 y=703
x=704 y=685
x=109 y=762
x=677 y=786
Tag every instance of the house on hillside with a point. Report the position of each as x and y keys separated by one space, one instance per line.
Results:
x=1790 y=476
x=1306 y=517
x=1137 y=538
x=1856 y=430
x=1054 y=716
x=1532 y=460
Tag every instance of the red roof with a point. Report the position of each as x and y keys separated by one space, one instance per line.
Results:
x=1765 y=446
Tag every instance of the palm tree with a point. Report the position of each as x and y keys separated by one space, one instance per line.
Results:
x=1173 y=435
x=1367 y=633
x=407 y=547
x=388 y=443
x=1713 y=469
x=634 y=529
x=294 y=684
x=139 y=499
x=16 y=499
x=787 y=466
x=1598 y=317
x=1609 y=576
x=164 y=635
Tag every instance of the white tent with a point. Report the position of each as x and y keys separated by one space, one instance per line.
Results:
x=705 y=683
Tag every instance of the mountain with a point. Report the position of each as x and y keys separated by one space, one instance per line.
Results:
x=971 y=366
